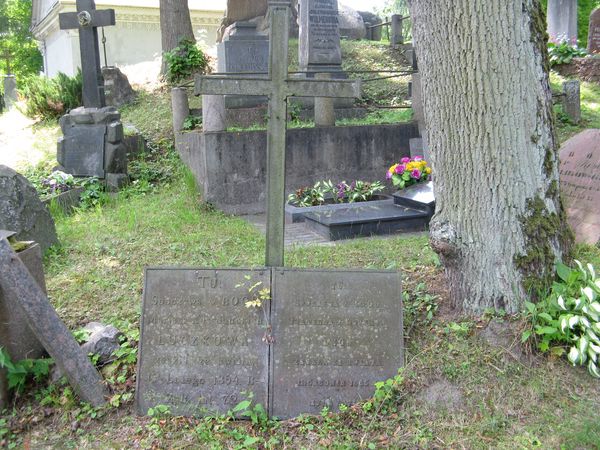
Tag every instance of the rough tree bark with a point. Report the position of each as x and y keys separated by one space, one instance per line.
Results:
x=175 y=24
x=499 y=223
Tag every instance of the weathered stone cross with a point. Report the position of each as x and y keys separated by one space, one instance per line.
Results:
x=87 y=19
x=278 y=87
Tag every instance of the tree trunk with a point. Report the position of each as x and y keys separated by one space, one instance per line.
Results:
x=175 y=25
x=499 y=223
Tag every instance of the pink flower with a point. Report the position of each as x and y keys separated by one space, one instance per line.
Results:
x=388 y=175
x=418 y=158
x=400 y=168
x=416 y=174
x=405 y=160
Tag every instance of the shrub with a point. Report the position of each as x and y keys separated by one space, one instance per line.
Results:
x=184 y=61
x=50 y=98
x=563 y=53
x=569 y=317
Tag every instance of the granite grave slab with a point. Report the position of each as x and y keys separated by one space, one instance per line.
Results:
x=367 y=220
x=319 y=36
x=418 y=196
x=336 y=334
x=81 y=151
x=580 y=184
x=200 y=346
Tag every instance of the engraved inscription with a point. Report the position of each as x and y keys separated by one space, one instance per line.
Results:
x=337 y=333
x=200 y=346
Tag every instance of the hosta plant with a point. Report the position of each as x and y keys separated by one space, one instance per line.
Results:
x=568 y=320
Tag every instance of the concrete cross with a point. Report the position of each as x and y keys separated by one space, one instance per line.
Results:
x=278 y=87
x=87 y=19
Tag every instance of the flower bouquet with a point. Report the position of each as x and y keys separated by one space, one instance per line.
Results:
x=408 y=172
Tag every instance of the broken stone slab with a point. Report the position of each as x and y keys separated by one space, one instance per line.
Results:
x=103 y=341
x=49 y=329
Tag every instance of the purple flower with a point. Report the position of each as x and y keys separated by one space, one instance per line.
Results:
x=418 y=158
x=416 y=174
x=400 y=168
x=405 y=160
x=388 y=175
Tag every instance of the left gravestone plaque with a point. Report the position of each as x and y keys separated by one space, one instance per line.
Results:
x=200 y=346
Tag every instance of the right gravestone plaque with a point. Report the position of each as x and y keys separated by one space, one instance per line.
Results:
x=336 y=334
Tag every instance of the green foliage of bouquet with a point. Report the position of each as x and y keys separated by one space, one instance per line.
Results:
x=408 y=172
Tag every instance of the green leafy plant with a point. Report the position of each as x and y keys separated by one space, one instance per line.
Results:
x=309 y=196
x=569 y=317
x=257 y=297
x=255 y=412
x=191 y=123
x=563 y=53
x=342 y=192
x=19 y=372
x=184 y=61
x=93 y=194
x=50 y=98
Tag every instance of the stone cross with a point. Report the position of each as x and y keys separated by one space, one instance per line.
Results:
x=278 y=87
x=87 y=19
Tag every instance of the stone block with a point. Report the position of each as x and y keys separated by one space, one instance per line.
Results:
x=115 y=181
x=114 y=132
x=22 y=211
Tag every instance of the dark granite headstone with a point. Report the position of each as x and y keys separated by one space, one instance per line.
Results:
x=580 y=184
x=200 y=345
x=594 y=33
x=336 y=334
x=243 y=50
x=82 y=150
x=319 y=41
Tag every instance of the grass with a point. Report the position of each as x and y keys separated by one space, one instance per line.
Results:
x=487 y=398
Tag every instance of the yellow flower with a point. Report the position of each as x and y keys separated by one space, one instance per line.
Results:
x=393 y=168
x=428 y=170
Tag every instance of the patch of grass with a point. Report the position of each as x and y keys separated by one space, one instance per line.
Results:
x=380 y=117
x=151 y=114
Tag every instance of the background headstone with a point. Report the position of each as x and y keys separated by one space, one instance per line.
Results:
x=352 y=25
x=572 y=100
x=594 y=33
x=580 y=184
x=10 y=91
x=562 y=21
x=319 y=41
x=117 y=89
x=373 y=19
x=200 y=345
x=22 y=211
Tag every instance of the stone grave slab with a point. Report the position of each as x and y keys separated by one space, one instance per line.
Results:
x=419 y=196
x=580 y=184
x=200 y=347
x=594 y=33
x=366 y=220
x=336 y=334
x=319 y=36
x=82 y=150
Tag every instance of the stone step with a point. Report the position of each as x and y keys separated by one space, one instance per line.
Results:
x=368 y=220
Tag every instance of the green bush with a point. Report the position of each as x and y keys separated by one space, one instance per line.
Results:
x=50 y=98
x=184 y=61
x=563 y=53
x=569 y=318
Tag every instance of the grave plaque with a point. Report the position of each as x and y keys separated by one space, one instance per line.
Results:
x=319 y=36
x=200 y=346
x=81 y=150
x=562 y=21
x=580 y=184
x=594 y=33
x=336 y=334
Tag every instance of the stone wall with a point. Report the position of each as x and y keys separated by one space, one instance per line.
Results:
x=231 y=167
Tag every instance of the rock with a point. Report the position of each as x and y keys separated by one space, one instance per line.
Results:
x=373 y=19
x=22 y=211
x=117 y=89
x=352 y=25
x=103 y=341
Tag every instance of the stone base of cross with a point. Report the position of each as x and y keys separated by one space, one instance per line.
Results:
x=278 y=86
